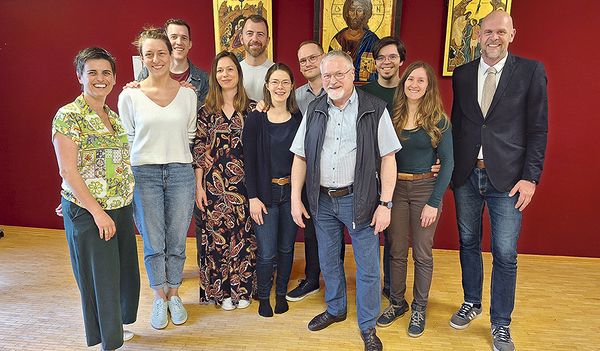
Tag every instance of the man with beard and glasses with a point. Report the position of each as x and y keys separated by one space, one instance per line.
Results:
x=255 y=37
x=500 y=130
x=356 y=39
x=345 y=150
x=182 y=69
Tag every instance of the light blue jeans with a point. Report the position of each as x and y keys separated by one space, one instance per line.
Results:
x=471 y=198
x=163 y=202
x=333 y=215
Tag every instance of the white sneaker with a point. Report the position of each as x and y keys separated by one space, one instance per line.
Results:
x=243 y=304
x=227 y=304
x=178 y=313
x=127 y=335
x=160 y=316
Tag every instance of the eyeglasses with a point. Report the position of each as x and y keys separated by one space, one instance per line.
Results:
x=391 y=58
x=284 y=83
x=337 y=76
x=311 y=59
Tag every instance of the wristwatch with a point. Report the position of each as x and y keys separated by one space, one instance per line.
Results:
x=388 y=204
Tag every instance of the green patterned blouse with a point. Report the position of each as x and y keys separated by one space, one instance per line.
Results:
x=103 y=158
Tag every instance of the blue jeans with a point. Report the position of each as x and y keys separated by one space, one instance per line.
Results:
x=333 y=214
x=471 y=198
x=163 y=202
x=275 y=237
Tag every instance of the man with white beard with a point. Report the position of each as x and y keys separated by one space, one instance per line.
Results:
x=344 y=149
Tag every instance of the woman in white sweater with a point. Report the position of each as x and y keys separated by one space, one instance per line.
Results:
x=160 y=121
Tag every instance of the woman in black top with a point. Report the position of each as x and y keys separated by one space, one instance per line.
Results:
x=267 y=138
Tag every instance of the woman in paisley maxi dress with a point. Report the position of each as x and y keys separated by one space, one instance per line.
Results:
x=229 y=246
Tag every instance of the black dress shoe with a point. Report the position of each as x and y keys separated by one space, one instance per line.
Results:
x=372 y=342
x=323 y=320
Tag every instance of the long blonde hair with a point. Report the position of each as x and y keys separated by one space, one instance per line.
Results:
x=430 y=111
x=214 y=99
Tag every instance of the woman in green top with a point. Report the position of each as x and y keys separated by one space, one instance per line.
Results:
x=424 y=131
x=97 y=189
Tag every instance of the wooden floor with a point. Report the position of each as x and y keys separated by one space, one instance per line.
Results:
x=557 y=307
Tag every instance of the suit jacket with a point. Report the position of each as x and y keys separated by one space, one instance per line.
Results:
x=513 y=134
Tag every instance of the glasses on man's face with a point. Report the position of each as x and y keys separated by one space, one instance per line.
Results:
x=391 y=58
x=284 y=83
x=337 y=76
x=311 y=59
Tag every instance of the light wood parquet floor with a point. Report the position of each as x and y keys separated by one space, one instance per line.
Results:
x=557 y=307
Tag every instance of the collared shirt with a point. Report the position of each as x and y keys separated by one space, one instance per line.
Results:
x=305 y=95
x=102 y=159
x=338 y=157
x=481 y=74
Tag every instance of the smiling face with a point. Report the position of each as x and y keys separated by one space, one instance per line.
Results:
x=494 y=36
x=416 y=84
x=310 y=70
x=339 y=90
x=388 y=62
x=255 y=38
x=179 y=37
x=156 y=56
x=97 y=78
x=279 y=86
x=227 y=74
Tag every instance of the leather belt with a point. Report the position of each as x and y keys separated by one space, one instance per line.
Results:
x=281 y=181
x=409 y=176
x=480 y=164
x=332 y=192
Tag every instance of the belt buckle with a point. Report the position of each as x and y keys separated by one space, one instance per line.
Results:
x=279 y=181
x=330 y=192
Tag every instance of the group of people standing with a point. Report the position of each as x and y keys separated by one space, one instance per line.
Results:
x=252 y=169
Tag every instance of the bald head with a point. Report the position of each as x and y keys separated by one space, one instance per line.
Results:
x=496 y=33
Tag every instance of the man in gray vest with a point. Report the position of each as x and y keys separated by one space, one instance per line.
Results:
x=344 y=149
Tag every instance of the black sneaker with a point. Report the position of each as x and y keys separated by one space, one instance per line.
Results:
x=391 y=313
x=417 y=321
x=303 y=289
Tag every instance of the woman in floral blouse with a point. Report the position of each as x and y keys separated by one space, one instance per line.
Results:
x=229 y=245
x=93 y=157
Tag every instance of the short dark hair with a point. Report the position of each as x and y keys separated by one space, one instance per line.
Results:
x=385 y=41
x=257 y=19
x=179 y=22
x=93 y=53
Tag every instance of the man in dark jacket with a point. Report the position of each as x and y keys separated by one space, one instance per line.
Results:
x=500 y=125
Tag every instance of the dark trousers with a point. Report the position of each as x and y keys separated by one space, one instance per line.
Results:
x=107 y=273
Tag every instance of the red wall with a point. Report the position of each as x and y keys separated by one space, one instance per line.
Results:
x=39 y=39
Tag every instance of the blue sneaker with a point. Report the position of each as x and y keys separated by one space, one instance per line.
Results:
x=160 y=316
x=178 y=313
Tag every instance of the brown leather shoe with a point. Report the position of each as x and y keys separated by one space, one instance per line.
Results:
x=323 y=320
x=372 y=342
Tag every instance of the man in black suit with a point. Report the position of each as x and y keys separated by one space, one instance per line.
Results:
x=499 y=146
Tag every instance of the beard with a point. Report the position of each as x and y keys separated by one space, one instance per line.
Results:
x=256 y=51
x=335 y=94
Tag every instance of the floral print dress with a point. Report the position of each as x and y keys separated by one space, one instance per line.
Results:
x=228 y=241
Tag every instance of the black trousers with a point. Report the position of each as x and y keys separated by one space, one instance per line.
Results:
x=107 y=273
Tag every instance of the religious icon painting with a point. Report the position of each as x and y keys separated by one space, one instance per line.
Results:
x=354 y=26
x=229 y=19
x=462 y=30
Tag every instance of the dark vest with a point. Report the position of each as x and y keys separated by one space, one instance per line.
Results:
x=368 y=158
